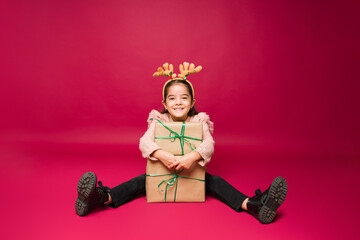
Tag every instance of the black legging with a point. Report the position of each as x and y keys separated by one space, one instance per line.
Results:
x=215 y=186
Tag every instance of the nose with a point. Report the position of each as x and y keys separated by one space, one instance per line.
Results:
x=178 y=100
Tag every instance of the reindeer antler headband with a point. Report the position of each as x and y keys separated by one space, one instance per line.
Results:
x=185 y=70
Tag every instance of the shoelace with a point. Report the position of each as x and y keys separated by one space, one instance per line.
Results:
x=263 y=197
x=105 y=189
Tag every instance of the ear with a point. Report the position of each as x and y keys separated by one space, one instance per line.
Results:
x=193 y=103
x=164 y=104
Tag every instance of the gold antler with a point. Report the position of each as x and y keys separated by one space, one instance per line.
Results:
x=185 y=70
x=168 y=72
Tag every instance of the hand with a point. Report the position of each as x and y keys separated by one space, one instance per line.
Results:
x=165 y=157
x=186 y=161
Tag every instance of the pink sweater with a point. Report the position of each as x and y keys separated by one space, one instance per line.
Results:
x=205 y=149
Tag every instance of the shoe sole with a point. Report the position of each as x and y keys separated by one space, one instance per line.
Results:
x=86 y=188
x=276 y=196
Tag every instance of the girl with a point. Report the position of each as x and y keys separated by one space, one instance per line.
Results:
x=178 y=101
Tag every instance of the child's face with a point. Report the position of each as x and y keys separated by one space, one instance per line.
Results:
x=178 y=102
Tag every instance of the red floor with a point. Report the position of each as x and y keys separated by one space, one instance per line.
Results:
x=39 y=190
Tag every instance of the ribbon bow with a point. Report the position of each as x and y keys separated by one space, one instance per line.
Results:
x=171 y=181
x=180 y=136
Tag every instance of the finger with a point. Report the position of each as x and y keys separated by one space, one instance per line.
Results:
x=172 y=165
x=179 y=167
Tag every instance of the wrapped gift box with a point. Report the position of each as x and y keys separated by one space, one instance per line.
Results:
x=178 y=138
x=163 y=185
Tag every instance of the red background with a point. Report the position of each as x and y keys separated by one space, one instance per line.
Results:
x=279 y=77
x=274 y=71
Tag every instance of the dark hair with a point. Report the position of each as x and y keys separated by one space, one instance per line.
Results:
x=192 y=111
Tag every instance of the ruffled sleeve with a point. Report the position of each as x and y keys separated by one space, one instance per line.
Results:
x=206 y=148
x=157 y=115
x=204 y=118
x=147 y=144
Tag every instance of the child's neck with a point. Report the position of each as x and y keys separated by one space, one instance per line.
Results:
x=179 y=120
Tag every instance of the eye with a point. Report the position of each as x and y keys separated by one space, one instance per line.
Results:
x=171 y=98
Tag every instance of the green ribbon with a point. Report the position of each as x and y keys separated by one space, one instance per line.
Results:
x=171 y=181
x=180 y=136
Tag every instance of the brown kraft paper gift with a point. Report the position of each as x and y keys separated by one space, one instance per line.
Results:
x=187 y=190
x=193 y=130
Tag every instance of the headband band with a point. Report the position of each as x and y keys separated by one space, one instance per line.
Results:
x=181 y=79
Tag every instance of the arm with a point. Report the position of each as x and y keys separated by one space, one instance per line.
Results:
x=151 y=150
x=165 y=157
x=147 y=145
x=186 y=161
x=206 y=148
x=202 y=154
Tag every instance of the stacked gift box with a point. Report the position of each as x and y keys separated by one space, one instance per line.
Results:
x=187 y=185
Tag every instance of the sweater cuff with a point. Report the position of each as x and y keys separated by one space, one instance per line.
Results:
x=205 y=157
x=153 y=158
x=149 y=150
x=202 y=163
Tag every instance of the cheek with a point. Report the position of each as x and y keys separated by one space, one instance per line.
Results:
x=168 y=104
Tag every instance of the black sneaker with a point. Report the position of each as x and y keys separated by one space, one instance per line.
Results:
x=90 y=197
x=264 y=205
